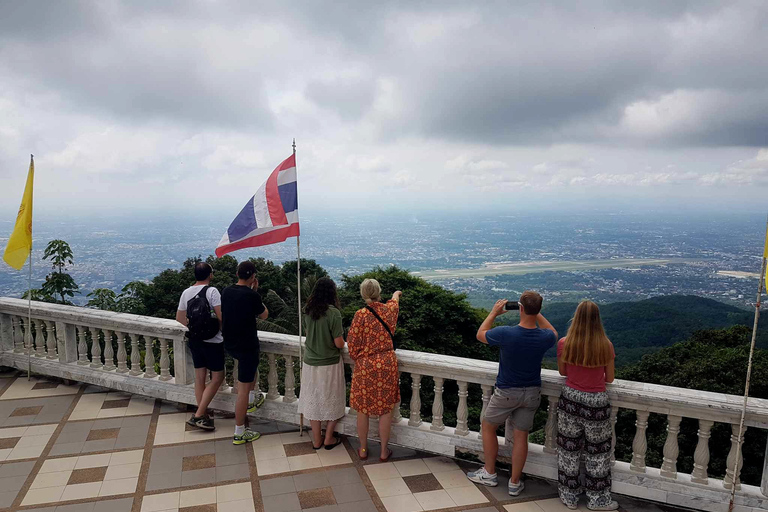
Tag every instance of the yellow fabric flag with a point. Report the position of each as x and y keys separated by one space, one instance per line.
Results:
x=20 y=243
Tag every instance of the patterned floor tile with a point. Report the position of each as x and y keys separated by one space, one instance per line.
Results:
x=102 y=435
x=282 y=453
x=37 y=387
x=173 y=429
x=84 y=477
x=24 y=442
x=111 y=405
x=34 y=411
x=207 y=462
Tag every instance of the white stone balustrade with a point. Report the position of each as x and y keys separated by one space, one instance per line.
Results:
x=61 y=336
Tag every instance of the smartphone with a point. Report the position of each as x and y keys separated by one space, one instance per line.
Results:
x=512 y=305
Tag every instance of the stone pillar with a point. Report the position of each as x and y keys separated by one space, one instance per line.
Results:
x=701 y=455
x=437 y=406
x=461 y=411
x=290 y=381
x=487 y=391
x=415 y=418
x=735 y=453
x=550 y=429
x=671 y=449
x=640 y=444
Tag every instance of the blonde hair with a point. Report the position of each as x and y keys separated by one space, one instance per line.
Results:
x=370 y=289
x=586 y=343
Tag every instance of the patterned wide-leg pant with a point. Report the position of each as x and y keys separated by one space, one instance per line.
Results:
x=584 y=425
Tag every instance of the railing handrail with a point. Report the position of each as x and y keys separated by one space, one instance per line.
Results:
x=627 y=394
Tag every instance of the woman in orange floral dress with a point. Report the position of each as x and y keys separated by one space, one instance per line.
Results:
x=375 y=380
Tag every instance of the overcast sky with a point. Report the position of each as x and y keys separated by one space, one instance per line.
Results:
x=189 y=105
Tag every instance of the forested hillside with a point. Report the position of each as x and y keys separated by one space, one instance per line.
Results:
x=643 y=327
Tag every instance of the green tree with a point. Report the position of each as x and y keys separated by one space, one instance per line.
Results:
x=58 y=283
x=713 y=360
x=102 y=298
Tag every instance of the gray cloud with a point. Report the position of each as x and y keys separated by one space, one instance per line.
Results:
x=438 y=100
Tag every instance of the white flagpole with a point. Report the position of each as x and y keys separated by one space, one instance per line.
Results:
x=298 y=288
x=740 y=439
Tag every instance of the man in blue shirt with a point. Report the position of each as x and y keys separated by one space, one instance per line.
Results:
x=518 y=384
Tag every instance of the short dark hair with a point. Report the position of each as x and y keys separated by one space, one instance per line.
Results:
x=202 y=271
x=245 y=270
x=531 y=302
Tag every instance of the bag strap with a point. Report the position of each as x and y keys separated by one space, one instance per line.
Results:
x=373 y=311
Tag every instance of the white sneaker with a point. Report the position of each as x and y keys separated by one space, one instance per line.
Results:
x=515 y=489
x=482 y=477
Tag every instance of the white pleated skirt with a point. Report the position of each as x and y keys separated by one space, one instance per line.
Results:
x=323 y=392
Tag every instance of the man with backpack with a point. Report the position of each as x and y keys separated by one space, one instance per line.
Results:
x=200 y=310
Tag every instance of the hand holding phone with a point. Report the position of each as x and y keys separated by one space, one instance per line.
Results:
x=512 y=305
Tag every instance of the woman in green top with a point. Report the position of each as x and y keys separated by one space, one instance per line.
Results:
x=323 y=390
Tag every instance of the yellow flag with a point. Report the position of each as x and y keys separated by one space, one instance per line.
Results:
x=20 y=243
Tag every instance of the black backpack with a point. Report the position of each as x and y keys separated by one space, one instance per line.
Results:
x=201 y=324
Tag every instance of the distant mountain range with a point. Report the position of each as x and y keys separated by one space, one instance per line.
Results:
x=643 y=327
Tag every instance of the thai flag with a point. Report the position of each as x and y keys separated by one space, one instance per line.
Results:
x=270 y=216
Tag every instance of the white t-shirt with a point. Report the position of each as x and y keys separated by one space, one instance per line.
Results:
x=214 y=299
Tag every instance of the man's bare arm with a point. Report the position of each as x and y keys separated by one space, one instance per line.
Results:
x=181 y=317
x=544 y=324
x=487 y=325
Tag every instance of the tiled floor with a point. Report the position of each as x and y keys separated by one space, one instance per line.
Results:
x=34 y=411
x=283 y=453
x=207 y=462
x=37 y=387
x=100 y=451
x=111 y=405
x=24 y=442
x=423 y=484
x=101 y=435
x=85 y=476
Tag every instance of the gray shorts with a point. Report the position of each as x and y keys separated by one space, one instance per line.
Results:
x=517 y=404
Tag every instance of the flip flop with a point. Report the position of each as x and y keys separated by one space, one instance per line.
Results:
x=334 y=445
x=385 y=459
x=361 y=451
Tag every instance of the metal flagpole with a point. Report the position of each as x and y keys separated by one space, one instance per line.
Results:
x=739 y=440
x=298 y=287
x=29 y=317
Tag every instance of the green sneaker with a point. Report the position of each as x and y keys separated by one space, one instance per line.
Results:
x=248 y=436
x=258 y=403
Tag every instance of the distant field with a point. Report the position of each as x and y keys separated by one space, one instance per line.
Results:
x=531 y=267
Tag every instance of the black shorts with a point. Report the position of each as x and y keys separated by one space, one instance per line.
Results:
x=247 y=364
x=207 y=355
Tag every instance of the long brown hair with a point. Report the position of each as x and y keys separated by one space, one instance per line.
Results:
x=323 y=296
x=586 y=343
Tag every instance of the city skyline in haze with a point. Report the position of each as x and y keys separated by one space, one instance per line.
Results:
x=140 y=106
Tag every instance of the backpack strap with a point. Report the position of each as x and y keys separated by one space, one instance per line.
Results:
x=386 y=327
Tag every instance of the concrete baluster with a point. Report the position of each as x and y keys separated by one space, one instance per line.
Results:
x=462 y=411
x=82 y=347
x=165 y=361
x=290 y=381
x=18 y=335
x=437 y=406
x=701 y=455
x=109 y=351
x=51 y=340
x=95 y=348
x=736 y=443
x=671 y=449
x=550 y=428
x=487 y=392
x=396 y=414
x=614 y=418
x=640 y=444
x=272 y=392
x=122 y=354
x=39 y=338
x=149 y=358
x=415 y=418
x=135 y=356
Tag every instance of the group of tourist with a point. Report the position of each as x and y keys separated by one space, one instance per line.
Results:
x=585 y=357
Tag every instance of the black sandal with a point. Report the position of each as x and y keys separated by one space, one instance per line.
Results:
x=334 y=445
